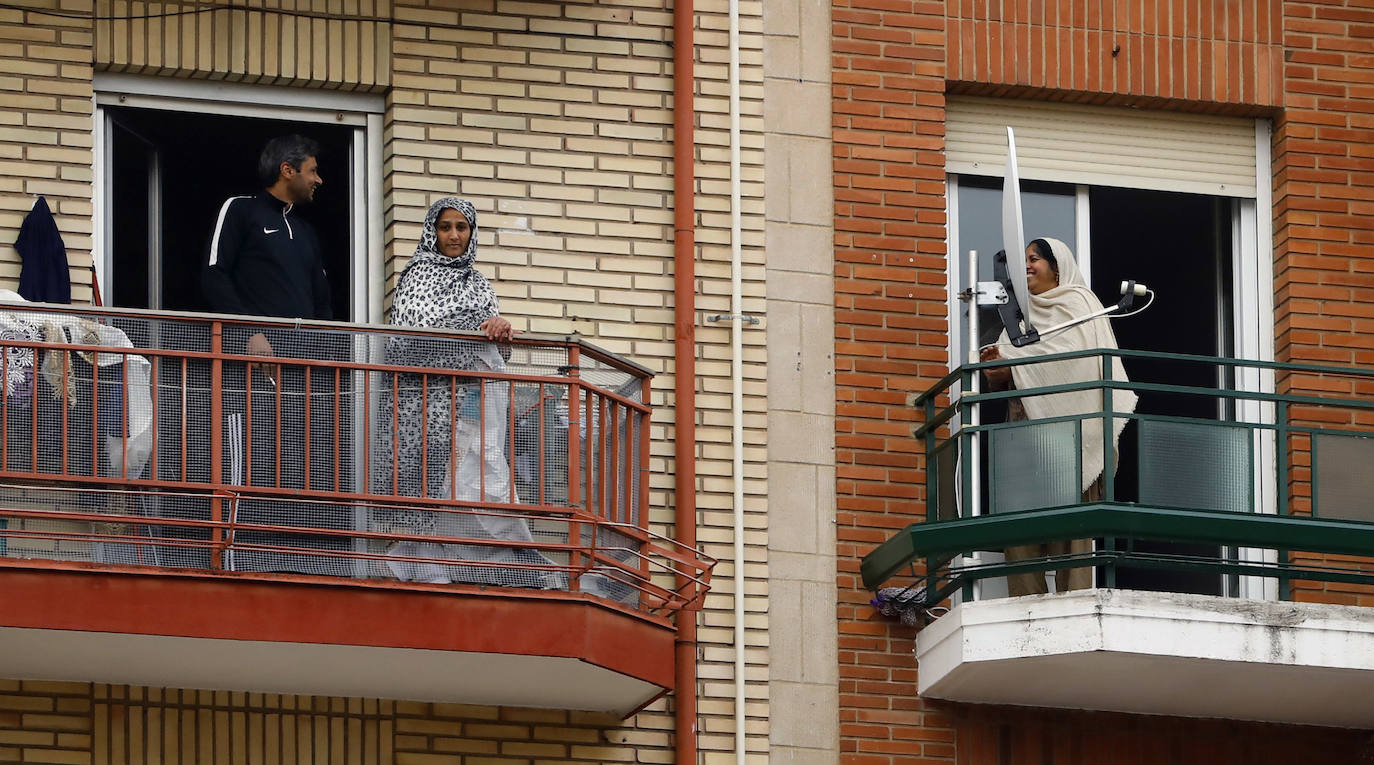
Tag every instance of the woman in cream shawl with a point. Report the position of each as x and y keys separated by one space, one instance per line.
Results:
x=1059 y=293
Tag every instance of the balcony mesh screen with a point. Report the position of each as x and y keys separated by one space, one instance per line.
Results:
x=1200 y=466
x=454 y=438
x=1343 y=476
x=1034 y=465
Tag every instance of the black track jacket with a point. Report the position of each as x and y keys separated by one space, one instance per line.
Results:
x=264 y=261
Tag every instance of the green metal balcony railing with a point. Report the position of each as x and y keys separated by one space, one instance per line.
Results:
x=1226 y=479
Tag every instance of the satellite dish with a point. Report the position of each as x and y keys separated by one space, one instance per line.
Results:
x=1013 y=234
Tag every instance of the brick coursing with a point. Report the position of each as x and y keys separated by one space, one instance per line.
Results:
x=1307 y=65
x=556 y=120
x=45 y=132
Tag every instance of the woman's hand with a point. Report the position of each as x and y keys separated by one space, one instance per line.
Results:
x=497 y=329
x=1000 y=378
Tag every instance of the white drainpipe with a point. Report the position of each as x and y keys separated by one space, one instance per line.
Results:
x=737 y=378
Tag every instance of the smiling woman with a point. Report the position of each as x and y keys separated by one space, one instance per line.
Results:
x=451 y=434
x=1058 y=293
x=1042 y=268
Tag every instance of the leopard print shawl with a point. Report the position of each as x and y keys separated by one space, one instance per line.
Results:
x=436 y=291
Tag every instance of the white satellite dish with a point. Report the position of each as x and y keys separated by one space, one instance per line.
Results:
x=1013 y=233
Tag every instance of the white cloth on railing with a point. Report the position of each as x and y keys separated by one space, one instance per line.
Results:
x=124 y=452
x=18 y=363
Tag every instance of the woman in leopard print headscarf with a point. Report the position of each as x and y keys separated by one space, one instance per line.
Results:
x=440 y=288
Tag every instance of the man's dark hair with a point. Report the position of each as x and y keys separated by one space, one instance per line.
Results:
x=292 y=149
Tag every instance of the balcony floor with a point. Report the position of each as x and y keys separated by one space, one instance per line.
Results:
x=438 y=643
x=1156 y=653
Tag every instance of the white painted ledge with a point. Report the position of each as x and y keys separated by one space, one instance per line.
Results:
x=1156 y=653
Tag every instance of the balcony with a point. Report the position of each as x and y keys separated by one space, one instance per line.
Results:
x=353 y=518
x=1230 y=559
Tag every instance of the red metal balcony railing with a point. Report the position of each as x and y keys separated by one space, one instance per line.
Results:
x=136 y=439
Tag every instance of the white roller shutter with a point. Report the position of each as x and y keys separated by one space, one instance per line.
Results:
x=1103 y=145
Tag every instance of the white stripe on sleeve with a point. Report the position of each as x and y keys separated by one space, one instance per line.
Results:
x=219 y=224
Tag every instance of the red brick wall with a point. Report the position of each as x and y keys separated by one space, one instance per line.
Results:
x=890 y=325
x=1063 y=737
x=1324 y=187
x=1206 y=52
x=1324 y=226
x=1310 y=64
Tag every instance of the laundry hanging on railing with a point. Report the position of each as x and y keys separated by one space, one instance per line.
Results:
x=110 y=389
x=17 y=362
x=107 y=395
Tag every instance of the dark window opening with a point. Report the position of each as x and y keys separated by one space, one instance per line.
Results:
x=170 y=173
x=1180 y=245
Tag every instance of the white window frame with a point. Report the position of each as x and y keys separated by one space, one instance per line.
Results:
x=1252 y=320
x=1252 y=273
x=362 y=111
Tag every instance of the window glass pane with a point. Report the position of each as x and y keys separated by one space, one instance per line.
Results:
x=1341 y=478
x=1047 y=210
x=1196 y=466
x=1035 y=466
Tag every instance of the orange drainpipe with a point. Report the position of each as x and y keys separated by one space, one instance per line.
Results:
x=684 y=360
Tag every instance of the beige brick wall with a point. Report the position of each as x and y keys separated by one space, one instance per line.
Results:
x=555 y=119
x=45 y=130
x=142 y=726
x=45 y=722
x=83 y=723
x=343 y=45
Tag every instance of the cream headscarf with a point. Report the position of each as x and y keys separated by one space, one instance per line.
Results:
x=1070 y=300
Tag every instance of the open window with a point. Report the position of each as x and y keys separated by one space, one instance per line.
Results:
x=189 y=163
x=169 y=152
x=1180 y=222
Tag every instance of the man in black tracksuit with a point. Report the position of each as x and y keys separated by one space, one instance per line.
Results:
x=265 y=261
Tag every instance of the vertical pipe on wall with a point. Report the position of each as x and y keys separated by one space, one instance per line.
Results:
x=737 y=384
x=684 y=361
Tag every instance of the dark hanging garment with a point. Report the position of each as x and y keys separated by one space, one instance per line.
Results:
x=44 y=277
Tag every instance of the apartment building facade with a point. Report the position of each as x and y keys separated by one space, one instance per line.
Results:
x=1220 y=153
x=842 y=158
x=134 y=122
